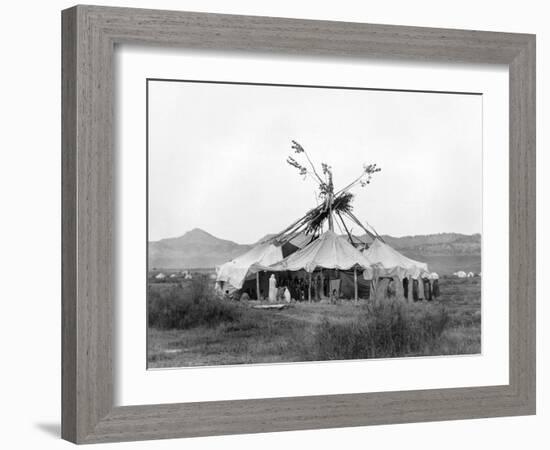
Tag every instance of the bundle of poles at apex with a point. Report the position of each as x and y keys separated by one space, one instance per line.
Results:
x=334 y=206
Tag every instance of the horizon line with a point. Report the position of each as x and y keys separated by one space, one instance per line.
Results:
x=357 y=235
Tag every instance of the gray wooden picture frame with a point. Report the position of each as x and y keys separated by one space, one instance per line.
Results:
x=89 y=37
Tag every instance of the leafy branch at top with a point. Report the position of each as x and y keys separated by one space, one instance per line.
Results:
x=364 y=178
x=325 y=183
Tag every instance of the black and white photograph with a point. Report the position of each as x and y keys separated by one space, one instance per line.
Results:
x=290 y=223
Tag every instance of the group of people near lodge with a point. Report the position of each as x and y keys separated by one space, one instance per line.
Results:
x=328 y=285
x=298 y=287
x=417 y=289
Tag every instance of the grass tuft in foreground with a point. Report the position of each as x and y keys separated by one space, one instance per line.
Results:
x=176 y=307
x=390 y=329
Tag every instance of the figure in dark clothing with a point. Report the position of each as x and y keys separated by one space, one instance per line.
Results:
x=435 y=289
x=307 y=288
x=415 y=290
x=390 y=289
x=406 y=287
x=296 y=289
x=315 y=287
x=427 y=289
x=302 y=289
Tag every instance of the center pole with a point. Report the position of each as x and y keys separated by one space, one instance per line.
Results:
x=330 y=200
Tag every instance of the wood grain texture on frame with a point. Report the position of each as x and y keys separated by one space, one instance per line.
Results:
x=89 y=36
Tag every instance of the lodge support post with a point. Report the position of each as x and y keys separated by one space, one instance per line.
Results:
x=258 y=286
x=355 y=282
x=309 y=289
x=321 y=294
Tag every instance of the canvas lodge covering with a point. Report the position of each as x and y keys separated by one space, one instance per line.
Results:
x=329 y=251
x=258 y=258
x=388 y=262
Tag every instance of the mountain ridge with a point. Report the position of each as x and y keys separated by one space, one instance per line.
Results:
x=198 y=248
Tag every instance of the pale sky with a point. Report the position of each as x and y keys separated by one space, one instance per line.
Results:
x=217 y=157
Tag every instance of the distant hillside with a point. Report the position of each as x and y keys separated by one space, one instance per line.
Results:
x=438 y=244
x=194 y=249
x=445 y=253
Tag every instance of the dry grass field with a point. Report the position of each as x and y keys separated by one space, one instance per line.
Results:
x=189 y=326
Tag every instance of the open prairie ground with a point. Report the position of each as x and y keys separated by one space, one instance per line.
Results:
x=190 y=326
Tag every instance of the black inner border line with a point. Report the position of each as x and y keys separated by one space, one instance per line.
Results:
x=147 y=224
x=310 y=86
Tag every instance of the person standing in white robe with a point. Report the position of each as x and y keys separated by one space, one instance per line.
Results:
x=272 y=288
x=287 y=295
